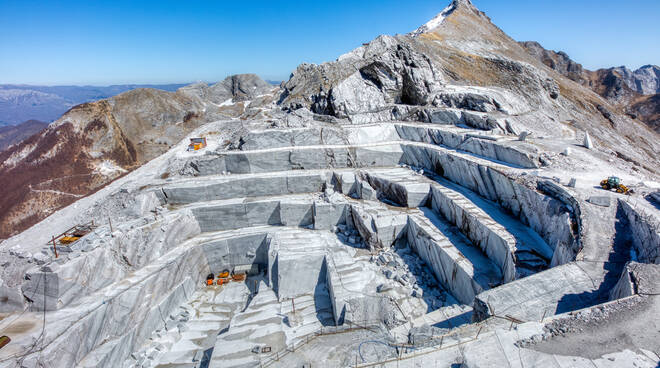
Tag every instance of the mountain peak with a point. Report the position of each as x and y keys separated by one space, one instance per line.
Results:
x=438 y=19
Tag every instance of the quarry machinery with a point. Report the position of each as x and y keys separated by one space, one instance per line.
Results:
x=4 y=340
x=197 y=144
x=225 y=277
x=614 y=182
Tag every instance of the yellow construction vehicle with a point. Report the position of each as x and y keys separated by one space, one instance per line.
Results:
x=4 y=340
x=68 y=239
x=197 y=144
x=614 y=183
x=223 y=277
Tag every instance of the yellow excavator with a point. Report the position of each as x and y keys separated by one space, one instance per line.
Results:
x=614 y=183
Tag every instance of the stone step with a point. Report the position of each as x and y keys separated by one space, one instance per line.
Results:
x=180 y=352
x=498 y=234
x=193 y=335
x=410 y=189
x=541 y=294
x=383 y=154
x=446 y=317
x=481 y=143
x=212 y=188
x=403 y=187
x=459 y=266
x=256 y=328
x=201 y=325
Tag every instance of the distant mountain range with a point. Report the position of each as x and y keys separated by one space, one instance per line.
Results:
x=20 y=103
x=636 y=92
x=11 y=134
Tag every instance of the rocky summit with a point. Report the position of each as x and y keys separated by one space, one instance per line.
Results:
x=427 y=199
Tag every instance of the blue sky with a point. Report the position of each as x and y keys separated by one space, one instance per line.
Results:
x=111 y=42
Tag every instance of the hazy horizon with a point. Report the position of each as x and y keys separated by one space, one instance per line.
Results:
x=107 y=43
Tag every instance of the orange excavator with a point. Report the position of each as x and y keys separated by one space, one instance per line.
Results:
x=225 y=277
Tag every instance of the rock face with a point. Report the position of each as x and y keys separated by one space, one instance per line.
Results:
x=457 y=69
x=647 y=109
x=558 y=61
x=633 y=92
x=645 y=80
x=427 y=76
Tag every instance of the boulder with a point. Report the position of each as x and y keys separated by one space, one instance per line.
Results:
x=603 y=201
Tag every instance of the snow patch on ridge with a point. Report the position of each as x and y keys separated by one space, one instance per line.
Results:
x=436 y=21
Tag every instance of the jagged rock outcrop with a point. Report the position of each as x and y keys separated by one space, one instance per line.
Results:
x=367 y=81
x=647 y=109
x=236 y=88
x=559 y=61
x=645 y=80
x=634 y=92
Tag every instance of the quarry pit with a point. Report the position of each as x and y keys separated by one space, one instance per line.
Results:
x=362 y=245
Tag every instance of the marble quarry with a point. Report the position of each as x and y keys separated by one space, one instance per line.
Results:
x=382 y=231
x=374 y=211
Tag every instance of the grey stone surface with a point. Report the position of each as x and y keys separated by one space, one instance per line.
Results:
x=137 y=245
x=378 y=228
x=645 y=228
x=455 y=272
x=404 y=190
x=563 y=288
x=367 y=192
x=603 y=201
x=328 y=215
x=637 y=278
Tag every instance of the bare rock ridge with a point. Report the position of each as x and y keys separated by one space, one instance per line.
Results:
x=647 y=109
x=632 y=92
x=428 y=199
x=645 y=80
x=558 y=61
